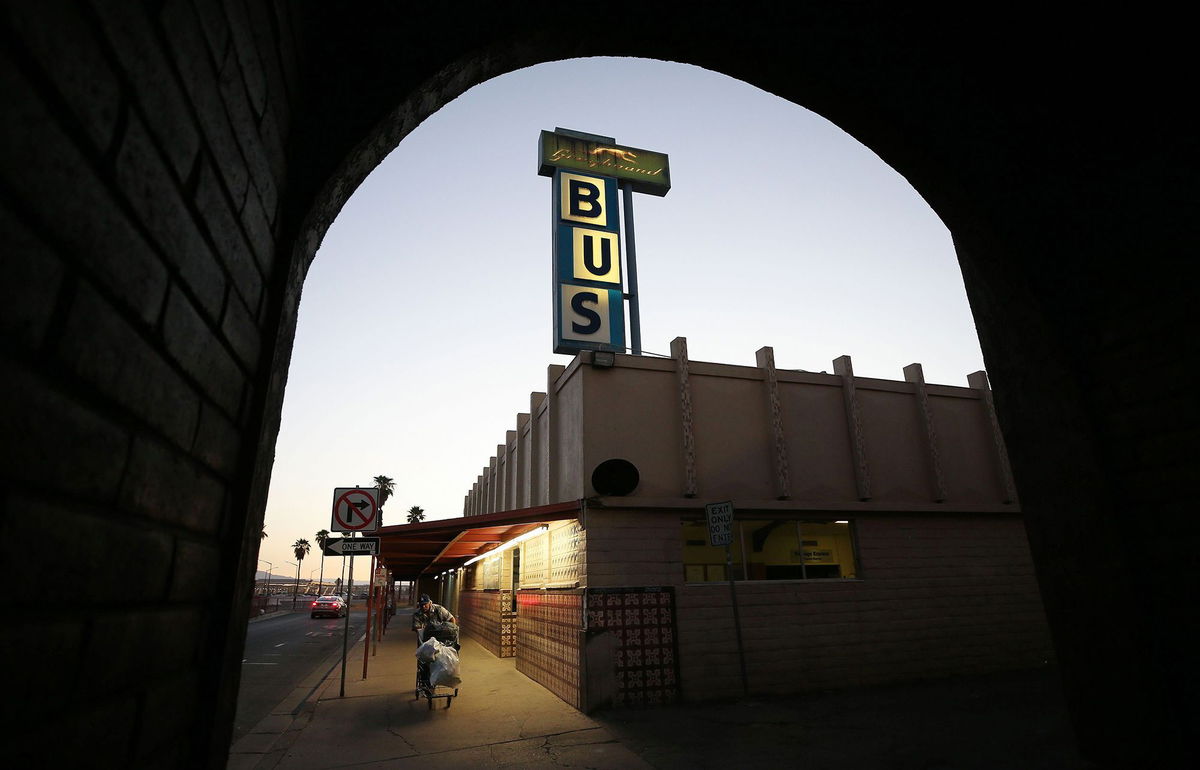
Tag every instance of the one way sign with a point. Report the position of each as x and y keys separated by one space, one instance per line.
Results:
x=344 y=546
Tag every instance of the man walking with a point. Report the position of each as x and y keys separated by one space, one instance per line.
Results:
x=439 y=621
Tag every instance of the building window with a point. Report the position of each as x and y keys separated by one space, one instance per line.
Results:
x=771 y=549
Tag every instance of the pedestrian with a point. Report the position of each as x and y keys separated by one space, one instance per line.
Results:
x=439 y=621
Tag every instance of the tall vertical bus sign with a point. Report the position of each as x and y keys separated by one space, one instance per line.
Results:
x=589 y=304
x=589 y=297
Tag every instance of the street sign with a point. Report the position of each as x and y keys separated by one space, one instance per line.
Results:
x=355 y=510
x=359 y=546
x=720 y=523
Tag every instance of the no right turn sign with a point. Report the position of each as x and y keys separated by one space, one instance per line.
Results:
x=355 y=510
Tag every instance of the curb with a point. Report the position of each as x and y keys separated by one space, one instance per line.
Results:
x=269 y=615
x=254 y=750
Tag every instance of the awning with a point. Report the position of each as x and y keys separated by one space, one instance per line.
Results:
x=429 y=547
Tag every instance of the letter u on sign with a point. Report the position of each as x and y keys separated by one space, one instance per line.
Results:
x=596 y=255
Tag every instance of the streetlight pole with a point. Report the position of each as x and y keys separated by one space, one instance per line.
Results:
x=322 y=581
x=269 y=568
x=297 y=584
x=267 y=590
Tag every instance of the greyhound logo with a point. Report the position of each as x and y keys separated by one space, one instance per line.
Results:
x=624 y=155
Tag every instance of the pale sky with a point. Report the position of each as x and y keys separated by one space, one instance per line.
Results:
x=425 y=321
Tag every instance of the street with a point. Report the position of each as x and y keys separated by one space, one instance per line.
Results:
x=283 y=652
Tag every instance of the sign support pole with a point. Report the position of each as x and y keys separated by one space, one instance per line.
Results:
x=737 y=623
x=635 y=312
x=367 y=638
x=346 y=628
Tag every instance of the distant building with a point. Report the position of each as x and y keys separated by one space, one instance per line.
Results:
x=877 y=534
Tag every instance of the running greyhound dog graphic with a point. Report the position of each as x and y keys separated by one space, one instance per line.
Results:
x=624 y=155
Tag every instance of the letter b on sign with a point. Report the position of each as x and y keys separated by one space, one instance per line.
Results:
x=584 y=199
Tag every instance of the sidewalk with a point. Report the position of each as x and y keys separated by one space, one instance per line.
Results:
x=500 y=719
x=503 y=719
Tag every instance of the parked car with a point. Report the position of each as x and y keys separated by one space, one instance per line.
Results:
x=326 y=606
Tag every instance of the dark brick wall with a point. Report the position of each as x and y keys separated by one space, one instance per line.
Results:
x=168 y=168
x=140 y=175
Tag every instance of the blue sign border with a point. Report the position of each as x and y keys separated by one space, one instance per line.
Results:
x=563 y=267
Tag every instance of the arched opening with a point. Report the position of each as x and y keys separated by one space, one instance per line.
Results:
x=963 y=162
x=424 y=318
x=137 y=132
x=427 y=298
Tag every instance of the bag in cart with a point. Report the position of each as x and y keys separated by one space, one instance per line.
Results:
x=444 y=669
x=437 y=672
x=439 y=663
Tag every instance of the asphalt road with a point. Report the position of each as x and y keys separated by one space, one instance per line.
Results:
x=281 y=653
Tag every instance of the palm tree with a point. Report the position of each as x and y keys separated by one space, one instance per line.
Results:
x=301 y=549
x=322 y=537
x=415 y=514
x=386 y=486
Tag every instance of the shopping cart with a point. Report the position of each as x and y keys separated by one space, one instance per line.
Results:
x=446 y=634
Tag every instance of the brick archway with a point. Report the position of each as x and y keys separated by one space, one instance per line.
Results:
x=169 y=170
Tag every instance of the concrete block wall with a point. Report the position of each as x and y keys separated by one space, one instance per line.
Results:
x=938 y=596
x=548 y=642
x=479 y=618
x=531 y=461
x=141 y=167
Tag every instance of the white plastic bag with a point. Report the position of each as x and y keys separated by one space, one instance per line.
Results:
x=428 y=651
x=445 y=668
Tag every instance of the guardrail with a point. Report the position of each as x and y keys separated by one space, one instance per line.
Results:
x=263 y=605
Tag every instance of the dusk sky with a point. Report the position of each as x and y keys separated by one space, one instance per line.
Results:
x=425 y=321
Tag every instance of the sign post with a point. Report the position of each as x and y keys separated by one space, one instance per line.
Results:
x=720 y=532
x=355 y=509
x=367 y=637
x=346 y=627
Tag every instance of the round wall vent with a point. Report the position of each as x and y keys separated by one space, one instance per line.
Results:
x=615 y=477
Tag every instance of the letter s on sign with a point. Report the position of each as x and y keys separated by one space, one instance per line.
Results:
x=577 y=304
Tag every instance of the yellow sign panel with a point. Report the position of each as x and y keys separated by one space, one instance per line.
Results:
x=585 y=314
x=583 y=200
x=596 y=255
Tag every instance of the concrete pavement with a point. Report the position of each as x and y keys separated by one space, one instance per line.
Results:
x=502 y=719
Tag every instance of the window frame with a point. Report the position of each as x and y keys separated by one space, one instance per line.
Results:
x=741 y=566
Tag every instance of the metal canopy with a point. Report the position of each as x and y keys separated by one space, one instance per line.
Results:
x=429 y=547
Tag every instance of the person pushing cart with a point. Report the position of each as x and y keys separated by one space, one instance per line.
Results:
x=433 y=621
